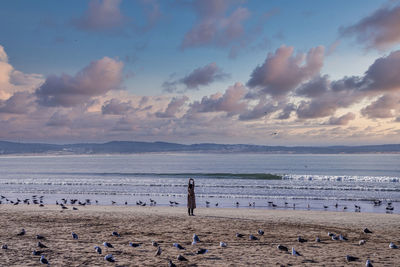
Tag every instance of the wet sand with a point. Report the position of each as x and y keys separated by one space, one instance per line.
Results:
x=167 y=225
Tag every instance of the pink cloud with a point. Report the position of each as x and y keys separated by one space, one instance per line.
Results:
x=379 y=30
x=102 y=15
x=213 y=25
x=283 y=71
x=96 y=79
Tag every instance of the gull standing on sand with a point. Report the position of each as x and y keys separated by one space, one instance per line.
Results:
x=368 y=264
x=116 y=234
x=178 y=246
x=252 y=237
x=260 y=232
x=158 y=252
x=43 y=260
x=202 y=251
x=196 y=238
x=4 y=246
x=367 y=231
x=393 y=246
x=134 y=245
x=171 y=264
x=351 y=258
x=181 y=258
x=40 y=245
x=109 y=257
x=22 y=232
x=97 y=249
x=107 y=245
x=295 y=253
x=222 y=244
x=317 y=239
x=282 y=248
x=74 y=236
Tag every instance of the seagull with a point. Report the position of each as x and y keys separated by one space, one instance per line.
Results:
x=107 y=245
x=342 y=238
x=362 y=242
x=134 y=245
x=97 y=249
x=335 y=237
x=43 y=260
x=367 y=231
x=37 y=253
x=39 y=237
x=330 y=234
x=239 y=235
x=196 y=238
x=74 y=208
x=171 y=264
x=4 y=246
x=40 y=245
x=109 y=257
x=351 y=258
x=317 y=239
x=295 y=253
x=74 y=236
x=260 y=232
x=154 y=243
x=222 y=244
x=22 y=232
x=368 y=264
x=178 y=246
x=282 y=248
x=301 y=240
x=393 y=246
x=181 y=258
x=158 y=252
x=116 y=234
x=252 y=237
x=202 y=251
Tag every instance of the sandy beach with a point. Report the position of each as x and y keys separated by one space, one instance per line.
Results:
x=168 y=225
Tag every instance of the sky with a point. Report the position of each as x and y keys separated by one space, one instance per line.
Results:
x=193 y=71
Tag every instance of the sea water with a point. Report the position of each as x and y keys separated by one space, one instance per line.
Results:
x=227 y=180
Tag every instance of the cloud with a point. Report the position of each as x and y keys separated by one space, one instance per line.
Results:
x=173 y=107
x=214 y=26
x=283 y=71
x=59 y=119
x=96 y=79
x=379 y=30
x=383 y=74
x=342 y=120
x=384 y=107
x=19 y=103
x=232 y=101
x=263 y=109
x=314 y=88
x=202 y=76
x=101 y=15
x=116 y=107
x=13 y=81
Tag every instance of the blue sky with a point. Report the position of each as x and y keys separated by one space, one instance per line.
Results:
x=200 y=49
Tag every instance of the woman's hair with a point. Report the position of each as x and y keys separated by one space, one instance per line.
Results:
x=191 y=183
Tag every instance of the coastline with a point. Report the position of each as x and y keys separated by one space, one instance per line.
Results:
x=168 y=225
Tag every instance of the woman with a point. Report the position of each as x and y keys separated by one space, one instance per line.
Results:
x=191 y=203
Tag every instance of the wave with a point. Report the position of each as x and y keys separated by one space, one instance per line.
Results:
x=340 y=178
x=252 y=176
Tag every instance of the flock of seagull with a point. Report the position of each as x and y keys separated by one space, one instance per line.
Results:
x=39 y=201
x=195 y=241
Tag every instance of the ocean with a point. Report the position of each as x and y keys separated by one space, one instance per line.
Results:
x=316 y=182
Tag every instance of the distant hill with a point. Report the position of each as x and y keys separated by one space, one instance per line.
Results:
x=127 y=147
